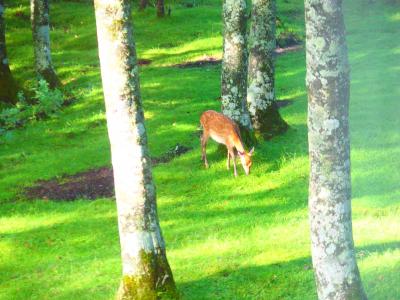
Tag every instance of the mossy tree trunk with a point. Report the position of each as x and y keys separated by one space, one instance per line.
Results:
x=41 y=42
x=146 y=272
x=8 y=86
x=234 y=66
x=160 y=8
x=336 y=272
x=264 y=113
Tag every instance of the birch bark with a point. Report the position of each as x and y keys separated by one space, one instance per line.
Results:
x=336 y=272
x=146 y=272
x=261 y=103
x=234 y=64
x=41 y=42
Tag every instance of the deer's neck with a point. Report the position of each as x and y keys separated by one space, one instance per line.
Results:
x=239 y=145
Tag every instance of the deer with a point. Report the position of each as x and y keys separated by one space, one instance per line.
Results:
x=224 y=131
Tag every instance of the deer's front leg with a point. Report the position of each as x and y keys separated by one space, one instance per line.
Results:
x=234 y=163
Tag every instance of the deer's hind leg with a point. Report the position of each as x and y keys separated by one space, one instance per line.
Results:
x=228 y=161
x=204 y=138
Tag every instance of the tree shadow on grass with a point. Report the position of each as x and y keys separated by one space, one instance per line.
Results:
x=272 y=281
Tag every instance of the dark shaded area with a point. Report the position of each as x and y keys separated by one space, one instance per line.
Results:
x=90 y=184
x=273 y=124
x=8 y=86
x=287 y=39
x=284 y=103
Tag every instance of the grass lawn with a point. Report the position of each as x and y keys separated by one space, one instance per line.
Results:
x=227 y=238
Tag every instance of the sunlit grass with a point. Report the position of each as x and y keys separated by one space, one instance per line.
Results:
x=227 y=238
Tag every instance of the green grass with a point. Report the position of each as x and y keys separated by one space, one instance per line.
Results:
x=227 y=238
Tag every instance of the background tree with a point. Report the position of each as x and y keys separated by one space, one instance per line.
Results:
x=262 y=106
x=143 y=4
x=146 y=271
x=8 y=86
x=234 y=65
x=336 y=272
x=160 y=8
x=41 y=42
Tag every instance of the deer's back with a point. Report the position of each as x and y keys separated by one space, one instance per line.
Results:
x=219 y=127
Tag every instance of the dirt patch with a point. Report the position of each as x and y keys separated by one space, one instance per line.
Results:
x=202 y=62
x=144 y=62
x=176 y=151
x=280 y=51
x=206 y=61
x=92 y=184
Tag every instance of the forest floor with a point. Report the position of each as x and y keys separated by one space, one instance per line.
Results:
x=227 y=238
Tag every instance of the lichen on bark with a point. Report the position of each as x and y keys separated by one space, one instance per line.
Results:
x=40 y=21
x=234 y=65
x=265 y=117
x=146 y=273
x=8 y=86
x=336 y=272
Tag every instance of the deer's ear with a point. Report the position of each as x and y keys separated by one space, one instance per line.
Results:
x=251 y=151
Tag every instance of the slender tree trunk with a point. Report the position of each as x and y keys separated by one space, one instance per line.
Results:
x=160 y=8
x=143 y=4
x=336 y=272
x=263 y=110
x=8 y=87
x=41 y=42
x=146 y=272
x=234 y=65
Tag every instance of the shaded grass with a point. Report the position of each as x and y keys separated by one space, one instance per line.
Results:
x=244 y=238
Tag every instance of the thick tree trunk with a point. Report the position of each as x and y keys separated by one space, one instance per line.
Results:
x=143 y=4
x=41 y=42
x=336 y=272
x=234 y=65
x=146 y=272
x=263 y=110
x=160 y=8
x=8 y=87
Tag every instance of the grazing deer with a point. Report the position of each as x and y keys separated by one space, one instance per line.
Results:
x=224 y=131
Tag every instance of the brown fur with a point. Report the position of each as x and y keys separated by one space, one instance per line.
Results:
x=224 y=131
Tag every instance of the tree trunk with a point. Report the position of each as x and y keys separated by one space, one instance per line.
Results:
x=160 y=8
x=336 y=272
x=8 y=86
x=234 y=66
x=143 y=4
x=41 y=42
x=263 y=110
x=146 y=272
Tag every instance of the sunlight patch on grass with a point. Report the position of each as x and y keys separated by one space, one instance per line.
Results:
x=186 y=52
x=395 y=17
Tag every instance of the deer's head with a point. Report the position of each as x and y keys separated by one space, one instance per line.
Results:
x=245 y=159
